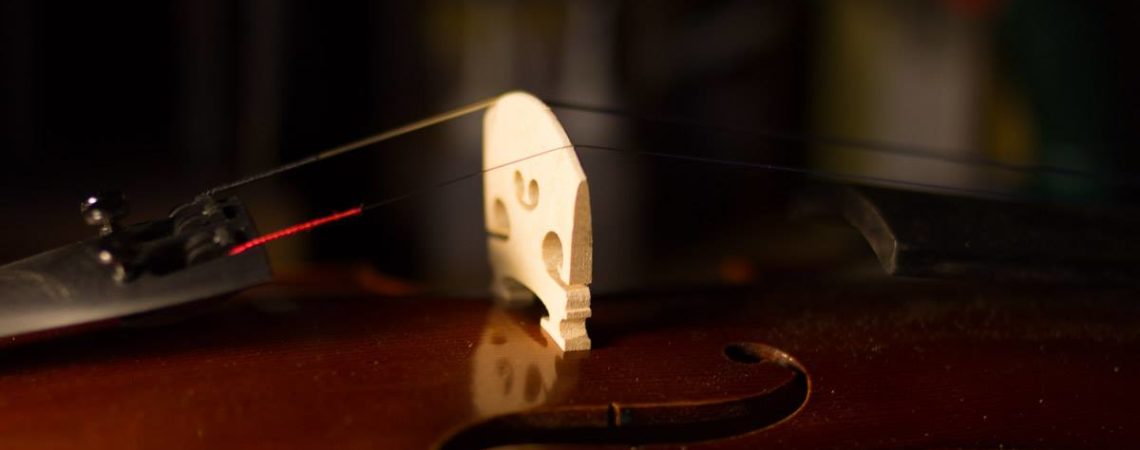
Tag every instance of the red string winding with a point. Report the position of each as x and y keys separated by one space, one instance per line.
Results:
x=238 y=249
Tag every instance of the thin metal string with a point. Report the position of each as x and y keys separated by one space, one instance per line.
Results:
x=861 y=145
x=762 y=134
x=852 y=144
x=823 y=174
x=359 y=210
x=356 y=145
x=448 y=182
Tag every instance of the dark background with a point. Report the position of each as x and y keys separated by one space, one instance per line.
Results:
x=165 y=99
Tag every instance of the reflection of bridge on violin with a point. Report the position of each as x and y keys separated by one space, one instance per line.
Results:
x=514 y=370
x=526 y=390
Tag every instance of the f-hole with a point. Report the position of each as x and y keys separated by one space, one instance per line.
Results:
x=633 y=424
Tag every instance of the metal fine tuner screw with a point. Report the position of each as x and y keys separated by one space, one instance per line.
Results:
x=105 y=210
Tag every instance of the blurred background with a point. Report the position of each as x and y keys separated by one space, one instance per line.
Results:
x=165 y=99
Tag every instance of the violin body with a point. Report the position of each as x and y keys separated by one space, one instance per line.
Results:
x=712 y=225
x=805 y=361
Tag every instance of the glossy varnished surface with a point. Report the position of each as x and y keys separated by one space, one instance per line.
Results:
x=891 y=365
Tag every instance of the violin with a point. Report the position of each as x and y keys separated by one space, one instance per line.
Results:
x=975 y=333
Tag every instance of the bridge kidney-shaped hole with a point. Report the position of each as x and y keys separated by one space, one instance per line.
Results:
x=552 y=254
x=526 y=192
x=500 y=223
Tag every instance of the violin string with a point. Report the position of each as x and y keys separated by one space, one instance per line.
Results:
x=451 y=181
x=356 y=211
x=863 y=145
x=823 y=174
x=360 y=210
x=356 y=145
x=762 y=134
x=850 y=144
x=289 y=231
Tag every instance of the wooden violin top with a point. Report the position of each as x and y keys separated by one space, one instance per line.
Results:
x=799 y=362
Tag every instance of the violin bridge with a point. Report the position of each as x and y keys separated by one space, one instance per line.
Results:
x=537 y=212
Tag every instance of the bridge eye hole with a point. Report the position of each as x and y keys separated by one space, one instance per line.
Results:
x=526 y=192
